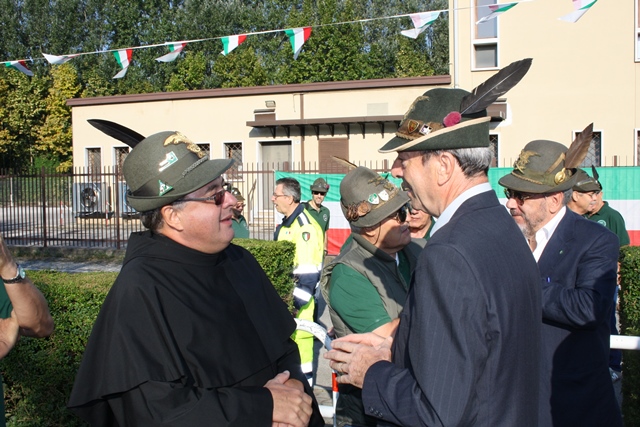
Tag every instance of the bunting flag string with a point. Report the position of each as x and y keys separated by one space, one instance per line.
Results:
x=580 y=8
x=58 y=59
x=297 y=36
x=174 y=50
x=21 y=66
x=231 y=42
x=123 y=57
x=496 y=10
x=421 y=22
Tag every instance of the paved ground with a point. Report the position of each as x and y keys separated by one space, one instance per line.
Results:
x=322 y=389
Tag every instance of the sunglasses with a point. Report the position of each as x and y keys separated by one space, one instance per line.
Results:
x=217 y=198
x=517 y=195
x=401 y=214
x=315 y=193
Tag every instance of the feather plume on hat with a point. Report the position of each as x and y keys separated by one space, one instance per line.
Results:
x=117 y=131
x=575 y=154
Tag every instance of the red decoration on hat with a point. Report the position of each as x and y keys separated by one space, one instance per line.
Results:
x=452 y=119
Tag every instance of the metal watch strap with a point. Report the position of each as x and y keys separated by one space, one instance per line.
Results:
x=20 y=275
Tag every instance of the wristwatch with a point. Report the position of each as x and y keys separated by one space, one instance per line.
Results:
x=19 y=277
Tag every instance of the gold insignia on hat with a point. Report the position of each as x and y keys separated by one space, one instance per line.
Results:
x=178 y=138
x=562 y=176
x=523 y=160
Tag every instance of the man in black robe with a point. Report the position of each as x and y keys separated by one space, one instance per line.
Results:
x=192 y=332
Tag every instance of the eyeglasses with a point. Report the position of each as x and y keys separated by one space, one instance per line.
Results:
x=278 y=195
x=316 y=193
x=519 y=197
x=217 y=198
x=401 y=214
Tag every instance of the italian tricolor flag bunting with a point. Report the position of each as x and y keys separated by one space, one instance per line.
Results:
x=20 y=66
x=58 y=59
x=297 y=37
x=124 y=59
x=421 y=22
x=174 y=51
x=580 y=8
x=496 y=9
x=231 y=42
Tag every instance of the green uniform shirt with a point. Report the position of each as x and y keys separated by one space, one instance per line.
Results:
x=240 y=228
x=612 y=219
x=5 y=312
x=322 y=216
x=357 y=301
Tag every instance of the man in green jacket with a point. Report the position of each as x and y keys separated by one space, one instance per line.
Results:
x=366 y=285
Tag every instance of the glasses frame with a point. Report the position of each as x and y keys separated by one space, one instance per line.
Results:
x=401 y=214
x=315 y=193
x=217 y=198
x=518 y=196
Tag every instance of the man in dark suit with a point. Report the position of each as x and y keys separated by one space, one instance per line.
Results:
x=578 y=264
x=466 y=350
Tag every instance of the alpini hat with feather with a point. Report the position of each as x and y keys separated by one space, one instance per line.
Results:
x=163 y=167
x=547 y=166
x=446 y=119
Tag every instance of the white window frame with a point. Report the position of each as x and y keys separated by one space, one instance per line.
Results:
x=490 y=41
x=637 y=31
x=239 y=176
x=86 y=158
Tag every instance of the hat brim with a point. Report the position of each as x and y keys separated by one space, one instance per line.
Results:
x=467 y=134
x=377 y=215
x=197 y=178
x=514 y=182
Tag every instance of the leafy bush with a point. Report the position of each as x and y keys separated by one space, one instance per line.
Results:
x=630 y=325
x=39 y=373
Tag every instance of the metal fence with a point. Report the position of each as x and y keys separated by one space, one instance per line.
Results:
x=84 y=208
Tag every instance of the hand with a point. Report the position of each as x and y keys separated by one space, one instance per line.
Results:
x=7 y=264
x=291 y=405
x=353 y=355
x=9 y=329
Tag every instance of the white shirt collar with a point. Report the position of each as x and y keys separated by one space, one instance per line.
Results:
x=450 y=210
x=544 y=234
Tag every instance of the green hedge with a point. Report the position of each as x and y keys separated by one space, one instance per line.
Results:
x=39 y=373
x=630 y=325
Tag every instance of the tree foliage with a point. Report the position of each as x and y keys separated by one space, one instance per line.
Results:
x=34 y=118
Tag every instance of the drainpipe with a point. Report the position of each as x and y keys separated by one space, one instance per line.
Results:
x=302 y=134
x=456 y=47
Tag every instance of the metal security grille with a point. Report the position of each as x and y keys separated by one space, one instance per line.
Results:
x=594 y=155
x=233 y=150
x=493 y=143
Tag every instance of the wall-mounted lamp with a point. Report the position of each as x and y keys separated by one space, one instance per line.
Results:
x=270 y=104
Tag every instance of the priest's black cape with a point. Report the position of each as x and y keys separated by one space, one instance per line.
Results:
x=186 y=339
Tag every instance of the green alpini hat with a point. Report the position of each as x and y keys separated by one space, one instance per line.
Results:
x=446 y=119
x=366 y=198
x=548 y=166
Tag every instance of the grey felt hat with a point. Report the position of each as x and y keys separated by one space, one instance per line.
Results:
x=447 y=119
x=366 y=198
x=320 y=185
x=165 y=167
x=585 y=183
x=540 y=169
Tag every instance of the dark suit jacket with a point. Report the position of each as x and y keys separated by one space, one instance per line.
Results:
x=578 y=268
x=467 y=348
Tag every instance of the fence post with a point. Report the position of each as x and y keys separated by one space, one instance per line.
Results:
x=43 y=201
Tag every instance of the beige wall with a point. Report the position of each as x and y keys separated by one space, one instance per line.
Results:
x=581 y=73
x=217 y=120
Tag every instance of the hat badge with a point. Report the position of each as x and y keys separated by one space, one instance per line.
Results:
x=522 y=161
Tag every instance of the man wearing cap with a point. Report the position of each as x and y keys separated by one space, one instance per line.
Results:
x=300 y=228
x=467 y=347
x=240 y=227
x=366 y=285
x=605 y=215
x=192 y=333
x=585 y=193
x=578 y=263
x=321 y=214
